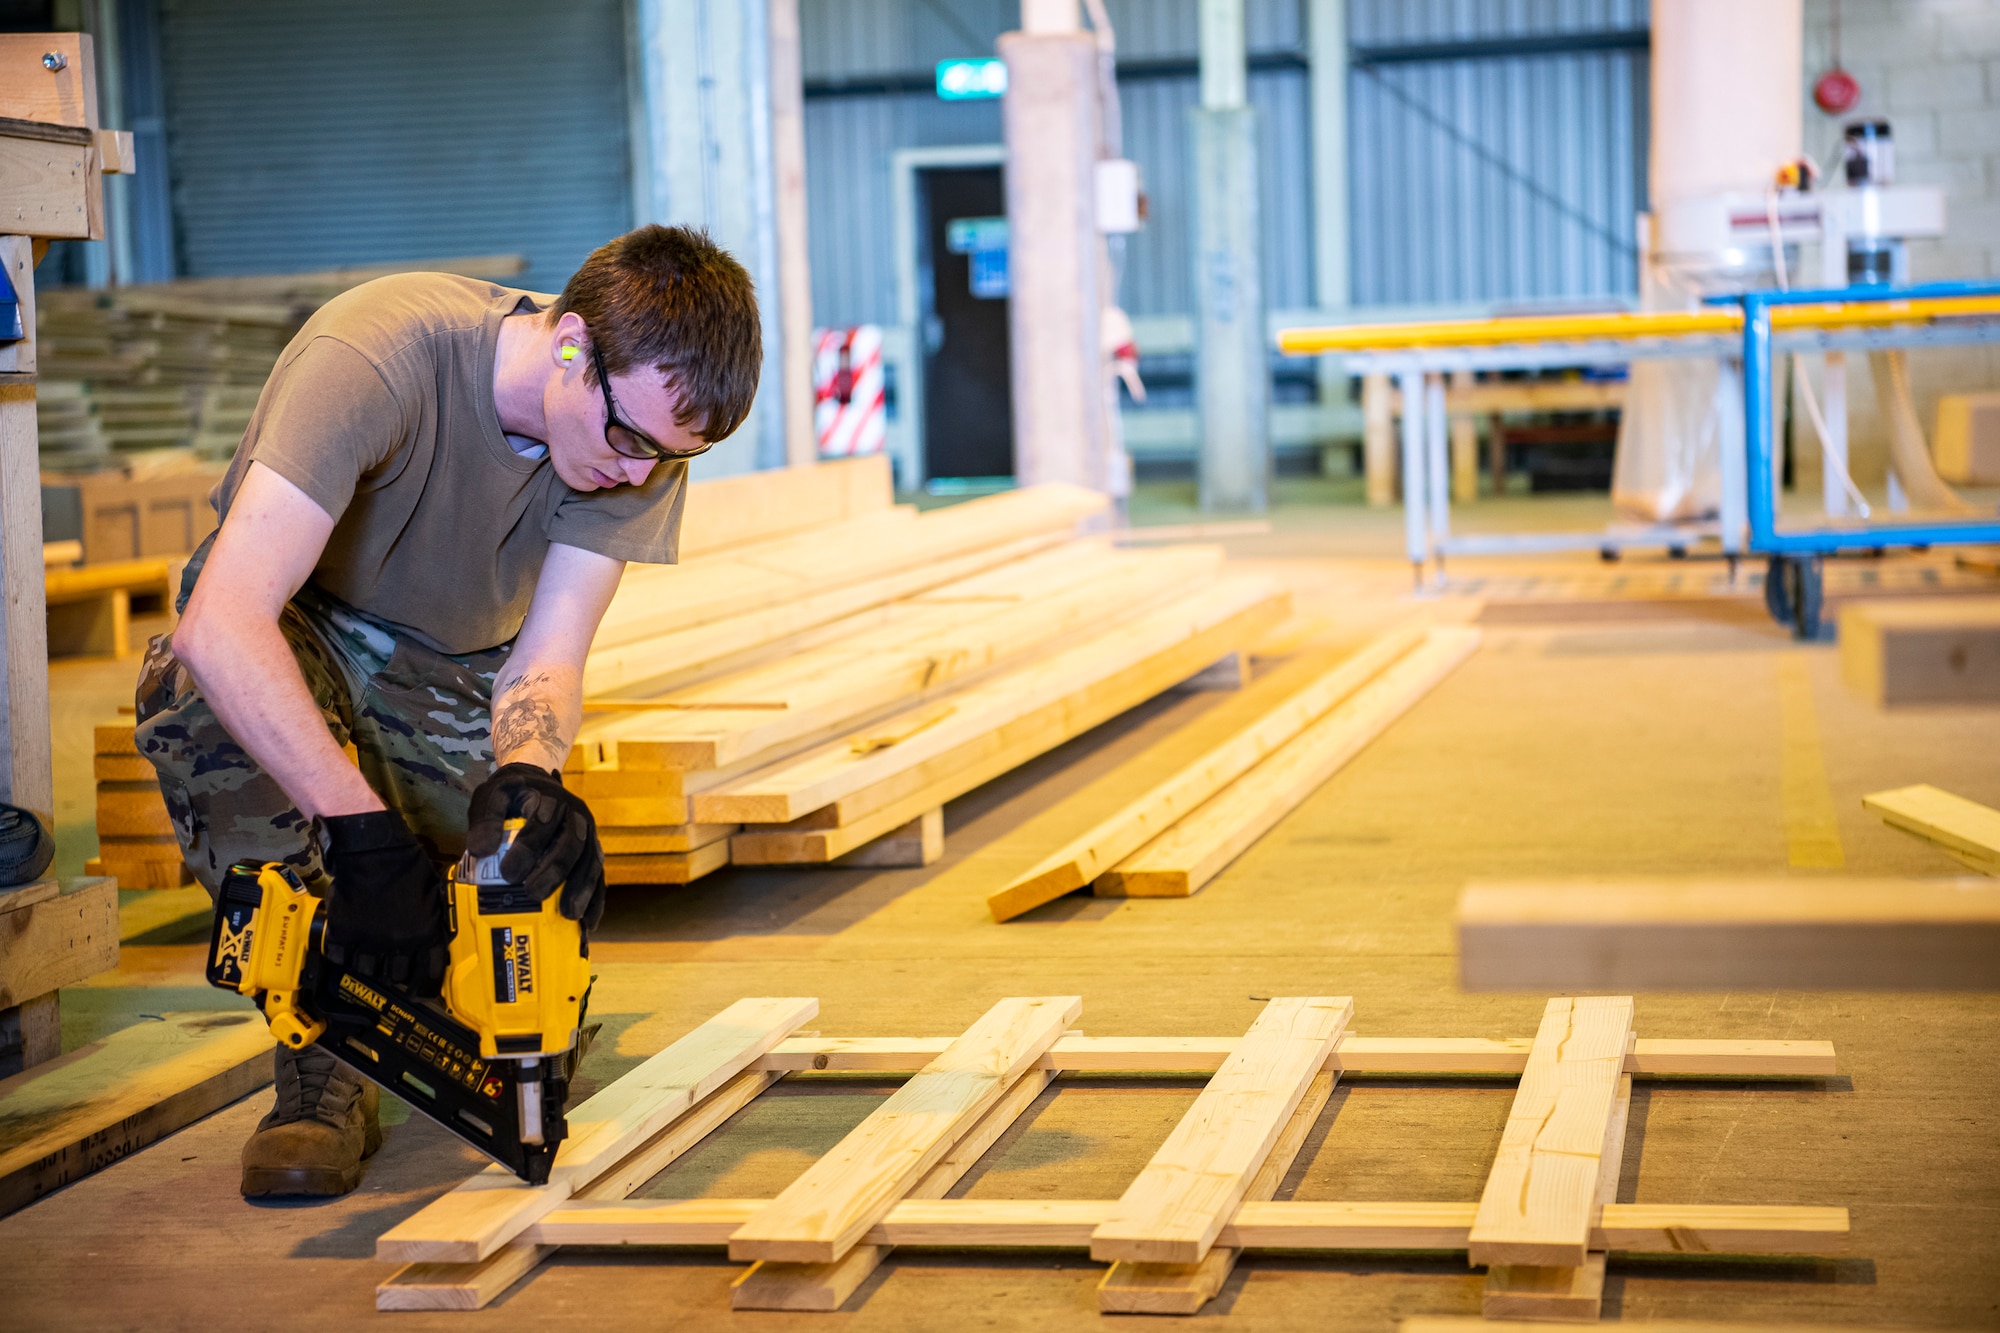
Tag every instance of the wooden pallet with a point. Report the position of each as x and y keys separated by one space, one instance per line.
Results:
x=1542 y=1227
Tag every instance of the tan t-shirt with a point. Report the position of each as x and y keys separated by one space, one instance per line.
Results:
x=381 y=410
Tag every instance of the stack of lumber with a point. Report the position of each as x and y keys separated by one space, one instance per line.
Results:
x=826 y=669
x=795 y=702
x=179 y=364
x=68 y=431
x=1169 y=820
x=135 y=835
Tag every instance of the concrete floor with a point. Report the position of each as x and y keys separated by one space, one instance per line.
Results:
x=1698 y=740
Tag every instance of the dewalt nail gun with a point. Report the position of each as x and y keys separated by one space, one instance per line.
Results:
x=492 y=1065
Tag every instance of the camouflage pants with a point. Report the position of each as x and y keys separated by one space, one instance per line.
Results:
x=418 y=721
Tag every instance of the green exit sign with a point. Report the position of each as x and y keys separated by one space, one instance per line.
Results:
x=969 y=80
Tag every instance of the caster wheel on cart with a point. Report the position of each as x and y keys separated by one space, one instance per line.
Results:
x=1777 y=595
x=1804 y=590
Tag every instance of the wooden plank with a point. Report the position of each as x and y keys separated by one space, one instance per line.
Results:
x=80 y=1112
x=65 y=96
x=1572 y=1294
x=58 y=941
x=1144 y=1288
x=45 y=188
x=1149 y=792
x=1009 y=710
x=936 y=641
x=30 y=1033
x=133 y=810
x=1337 y=1227
x=476 y=1219
x=1175 y=1209
x=1963 y=829
x=667 y=867
x=775 y=1285
x=1722 y=934
x=1919 y=650
x=1226 y=614
x=122 y=768
x=823 y=1213
x=27 y=776
x=917 y=843
x=1074 y=1053
x=726 y=512
x=686 y=653
x=641 y=840
x=35 y=891
x=1199 y=847
x=1540 y=1197
x=115 y=738
x=441 y=1286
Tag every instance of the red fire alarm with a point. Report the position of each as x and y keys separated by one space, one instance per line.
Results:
x=1836 y=92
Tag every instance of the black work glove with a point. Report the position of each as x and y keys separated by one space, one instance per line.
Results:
x=386 y=917
x=558 y=847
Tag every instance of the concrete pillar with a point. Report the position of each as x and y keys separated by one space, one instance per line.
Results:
x=1232 y=373
x=708 y=154
x=1055 y=275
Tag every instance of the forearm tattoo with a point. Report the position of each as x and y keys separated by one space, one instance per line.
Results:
x=526 y=721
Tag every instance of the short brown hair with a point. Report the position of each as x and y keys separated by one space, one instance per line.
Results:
x=671 y=298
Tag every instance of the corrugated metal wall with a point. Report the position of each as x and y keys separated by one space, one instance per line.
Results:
x=1481 y=178
x=850 y=136
x=304 y=136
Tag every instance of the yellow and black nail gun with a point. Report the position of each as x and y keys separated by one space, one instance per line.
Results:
x=492 y=1064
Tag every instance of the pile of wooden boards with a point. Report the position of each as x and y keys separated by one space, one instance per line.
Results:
x=1170 y=819
x=826 y=669
x=135 y=835
x=178 y=364
x=1543 y=1226
x=797 y=701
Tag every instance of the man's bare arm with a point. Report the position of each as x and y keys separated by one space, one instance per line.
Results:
x=538 y=696
x=229 y=640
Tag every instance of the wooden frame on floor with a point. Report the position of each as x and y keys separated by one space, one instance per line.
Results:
x=1545 y=1224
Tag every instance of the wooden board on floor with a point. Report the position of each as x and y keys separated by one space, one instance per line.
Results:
x=479 y=1217
x=58 y=940
x=1541 y=1194
x=1724 y=934
x=776 y=1285
x=1187 y=856
x=826 y=1211
x=81 y=1112
x=1175 y=1209
x=1157 y=1288
x=447 y=1286
x=1927 y=650
x=1516 y=1291
x=1149 y=792
x=1965 y=830
x=1300 y=1225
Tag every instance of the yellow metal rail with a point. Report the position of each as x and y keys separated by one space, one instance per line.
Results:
x=1624 y=325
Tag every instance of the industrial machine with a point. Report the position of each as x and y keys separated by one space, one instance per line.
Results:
x=490 y=1061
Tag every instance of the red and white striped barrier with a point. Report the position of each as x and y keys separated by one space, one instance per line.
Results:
x=849 y=415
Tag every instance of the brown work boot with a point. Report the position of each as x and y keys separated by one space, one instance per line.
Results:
x=316 y=1137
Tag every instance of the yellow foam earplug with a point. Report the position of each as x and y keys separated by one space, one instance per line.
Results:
x=569 y=354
